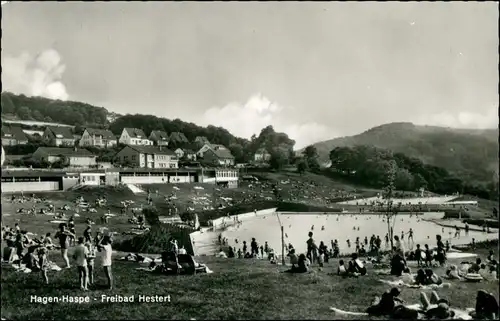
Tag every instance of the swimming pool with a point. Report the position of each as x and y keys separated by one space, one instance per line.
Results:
x=327 y=227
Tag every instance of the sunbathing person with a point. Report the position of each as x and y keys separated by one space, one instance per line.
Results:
x=431 y=311
x=432 y=278
x=385 y=305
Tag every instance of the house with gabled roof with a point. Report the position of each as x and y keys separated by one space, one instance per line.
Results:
x=218 y=157
x=148 y=157
x=71 y=157
x=178 y=138
x=103 y=138
x=59 y=136
x=159 y=138
x=201 y=140
x=186 y=152
x=134 y=136
x=12 y=135
x=206 y=147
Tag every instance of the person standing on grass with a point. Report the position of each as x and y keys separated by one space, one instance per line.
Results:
x=90 y=261
x=105 y=248
x=63 y=236
x=71 y=227
x=43 y=263
x=80 y=256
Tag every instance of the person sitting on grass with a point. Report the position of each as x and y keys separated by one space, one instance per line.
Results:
x=342 y=270
x=302 y=265
x=355 y=266
x=432 y=278
x=452 y=273
x=486 y=306
x=475 y=267
x=397 y=265
x=384 y=306
x=47 y=242
x=294 y=260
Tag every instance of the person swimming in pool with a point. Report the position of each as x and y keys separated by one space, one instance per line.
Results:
x=323 y=228
x=312 y=228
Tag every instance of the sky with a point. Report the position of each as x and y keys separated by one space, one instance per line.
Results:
x=313 y=70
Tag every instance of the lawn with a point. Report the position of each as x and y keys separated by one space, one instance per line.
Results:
x=238 y=289
x=41 y=224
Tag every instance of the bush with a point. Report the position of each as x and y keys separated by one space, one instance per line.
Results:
x=156 y=240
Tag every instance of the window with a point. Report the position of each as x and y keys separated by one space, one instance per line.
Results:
x=133 y=157
x=125 y=158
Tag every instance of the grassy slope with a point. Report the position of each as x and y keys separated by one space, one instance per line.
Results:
x=40 y=223
x=239 y=289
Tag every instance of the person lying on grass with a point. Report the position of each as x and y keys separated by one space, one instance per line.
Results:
x=385 y=305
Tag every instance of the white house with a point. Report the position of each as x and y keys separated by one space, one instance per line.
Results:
x=98 y=138
x=134 y=136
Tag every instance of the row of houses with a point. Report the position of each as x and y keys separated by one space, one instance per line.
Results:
x=134 y=156
x=133 y=137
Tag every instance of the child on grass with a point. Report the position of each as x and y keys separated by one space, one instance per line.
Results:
x=43 y=263
x=90 y=261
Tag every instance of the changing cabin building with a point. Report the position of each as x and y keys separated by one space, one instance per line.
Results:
x=72 y=157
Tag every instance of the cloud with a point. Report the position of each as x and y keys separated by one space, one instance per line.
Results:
x=464 y=119
x=246 y=119
x=39 y=75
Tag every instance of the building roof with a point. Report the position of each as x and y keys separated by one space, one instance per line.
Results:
x=154 y=150
x=13 y=132
x=159 y=134
x=135 y=133
x=202 y=140
x=61 y=132
x=218 y=146
x=105 y=133
x=222 y=153
x=56 y=151
x=178 y=137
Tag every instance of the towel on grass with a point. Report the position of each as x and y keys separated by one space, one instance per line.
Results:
x=459 y=314
x=423 y=287
x=24 y=269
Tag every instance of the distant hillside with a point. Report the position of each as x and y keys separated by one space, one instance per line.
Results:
x=472 y=154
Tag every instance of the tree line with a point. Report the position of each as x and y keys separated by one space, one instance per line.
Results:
x=369 y=165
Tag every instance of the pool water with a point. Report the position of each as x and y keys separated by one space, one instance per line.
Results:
x=328 y=227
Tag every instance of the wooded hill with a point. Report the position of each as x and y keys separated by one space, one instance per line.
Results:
x=469 y=154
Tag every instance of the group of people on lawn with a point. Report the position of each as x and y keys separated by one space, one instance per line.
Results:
x=37 y=250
